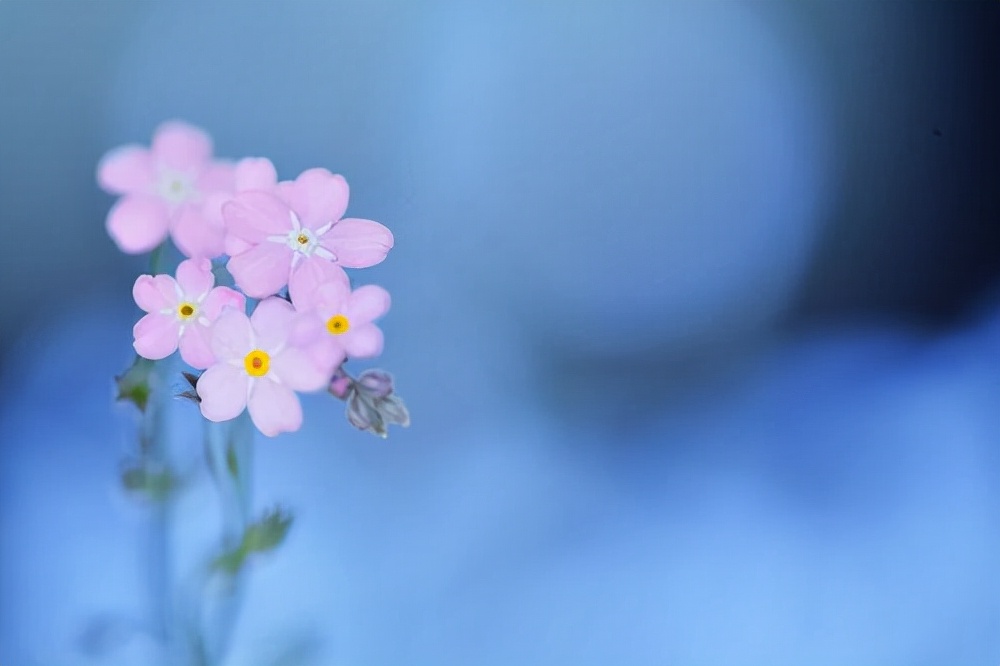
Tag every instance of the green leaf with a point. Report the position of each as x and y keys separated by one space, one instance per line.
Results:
x=259 y=537
x=230 y=562
x=155 y=484
x=133 y=384
x=268 y=532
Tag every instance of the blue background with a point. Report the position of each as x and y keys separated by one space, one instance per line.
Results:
x=695 y=309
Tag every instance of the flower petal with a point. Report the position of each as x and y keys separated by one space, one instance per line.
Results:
x=274 y=408
x=262 y=270
x=367 y=303
x=156 y=336
x=221 y=298
x=195 y=277
x=358 y=243
x=255 y=173
x=365 y=341
x=232 y=336
x=223 y=392
x=311 y=274
x=181 y=146
x=331 y=298
x=272 y=321
x=254 y=216
x=196 y=346
x=235 y=245
x=126 y=169
x=154 y=294
x=198 y=234
x=325 y=352
x=218 y=176
x=319 y=197
x=138 y=223
x=300 y=371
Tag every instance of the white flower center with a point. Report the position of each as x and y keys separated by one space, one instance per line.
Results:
x=188 y=311
x=176 y=187
x=304 y=242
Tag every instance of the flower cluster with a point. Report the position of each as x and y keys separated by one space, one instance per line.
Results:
x=292 y=319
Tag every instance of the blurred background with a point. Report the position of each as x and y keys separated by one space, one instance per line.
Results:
x=696 y=308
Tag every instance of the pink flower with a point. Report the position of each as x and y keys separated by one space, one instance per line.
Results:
x=163 y=189
x=341 y=320
x=299 y=229
x=251 y=173
x=259 y=368
x=181 y=312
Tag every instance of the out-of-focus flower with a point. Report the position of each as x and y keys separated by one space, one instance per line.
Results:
x=299 y=229
x=343 y=319
x=180 y=312
x=372 y=404
x=259 y=368
x=162 y=190
x=251 y=173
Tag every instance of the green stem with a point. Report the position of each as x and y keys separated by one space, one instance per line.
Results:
x=154 y=451
x=229 y=450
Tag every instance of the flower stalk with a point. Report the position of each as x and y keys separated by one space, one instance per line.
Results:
x=260 y=304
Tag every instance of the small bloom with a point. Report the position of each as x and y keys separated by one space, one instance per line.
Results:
x=372 y=405
x=298 y=230
x=259 y=369
x=341 y=385
x=251 y=173
x=181 y=312
x=343 y=319
x=162 y=190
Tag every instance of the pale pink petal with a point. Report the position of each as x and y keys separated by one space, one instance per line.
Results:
x=181 y=146
x=154 y=294
x=364 y=341
x=312 y=273
x=300 y=371
x=218 y=176
x=272 y=321
x=358 y=243
x=138 y=223
x=197 y=234
x=196 y=346
x=255 y=173
x=323 y=349
x=195 y=277
x=221 y=298
x=306 y=329
x=126 y=169
x=274 y=408
x=262 y=270
x=367 y=303
x=212 y=205
x=156 y=336
x=331 y=298
x=235 y=245
x=319 y=197
x=283 y=191
x=223 y=392
x=255 y=216
x=232 y=337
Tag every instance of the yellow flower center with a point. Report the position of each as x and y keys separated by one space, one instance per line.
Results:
x=337 y=324
x=185 y=310
x=257 y=363
x=303 y=239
